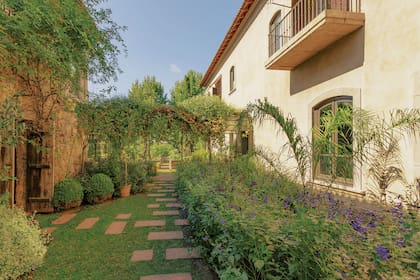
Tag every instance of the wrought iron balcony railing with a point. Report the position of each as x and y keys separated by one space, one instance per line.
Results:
x=301 y=14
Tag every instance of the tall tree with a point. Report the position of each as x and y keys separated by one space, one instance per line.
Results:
x=149 y=91
x=48 y=47
x=187 y=88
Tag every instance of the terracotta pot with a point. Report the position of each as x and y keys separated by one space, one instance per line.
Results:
x=125 y=191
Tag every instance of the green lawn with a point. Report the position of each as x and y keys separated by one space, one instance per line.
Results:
x=90 y=254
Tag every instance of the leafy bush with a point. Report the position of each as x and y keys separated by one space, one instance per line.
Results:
x=150 y=170
x=251 y=224
x=136 y=175
x=4 y=198
x=67 y=191
x=21 y=246
x=98 y=187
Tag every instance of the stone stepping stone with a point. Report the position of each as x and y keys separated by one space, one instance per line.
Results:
x=166 y=213
x=87 y=223
x=63 y=219
x=142 y=255
x=151 y=223
x=174 y=276
x=182 y=253
x=165 y=235
x=49 y=229
x=182 y=222
x=116 y=228
x=123 y=216
x=166 y=199
x=165 y=191
x=153 y=206
x=156 y=194
x=173 y=205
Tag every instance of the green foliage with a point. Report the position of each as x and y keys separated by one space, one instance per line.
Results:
x=149 y=92
x=251 y=224
x=261 y=110
x=187 y=88
x=67 y=191
x=137 y=175
x=207 y=107
x=99 y=185
x=61 y=43
x=22 y=249
x=5 y=198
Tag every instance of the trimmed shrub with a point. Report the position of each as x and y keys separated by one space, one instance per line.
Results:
x=100 y=186
x=67 y=194
x=21 y=246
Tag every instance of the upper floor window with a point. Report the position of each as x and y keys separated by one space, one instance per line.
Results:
x=275 y=37
x=332 y=139
x=217 y=88
x=232 y=85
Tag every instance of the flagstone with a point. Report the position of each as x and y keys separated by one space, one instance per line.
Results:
x=181 y=253
x=156 y=194
x=174 y=276
x=151 y=223
x=88 y=223
x=153 y=205
x=182 y=222
x=165 y=191
x=166 y=213
x=123 y=216
x=165 y=199
x=116 y=228
x=165 y=235
x=142 y=255
x=63 y=219
x=173 y=205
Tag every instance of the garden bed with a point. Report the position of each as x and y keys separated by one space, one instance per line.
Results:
x=252 y=224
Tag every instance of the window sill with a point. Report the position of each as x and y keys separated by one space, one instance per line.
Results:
x=344 y=188
x=232 y=91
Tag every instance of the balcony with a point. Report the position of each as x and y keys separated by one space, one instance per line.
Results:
x=309 y=27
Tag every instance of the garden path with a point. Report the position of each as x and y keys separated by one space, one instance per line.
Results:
x=164 y=196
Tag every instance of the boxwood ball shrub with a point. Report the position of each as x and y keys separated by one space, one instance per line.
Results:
x=98 y=187
x=21 y=246
x=67 y=193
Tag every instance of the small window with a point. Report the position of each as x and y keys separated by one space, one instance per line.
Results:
x=232 y=79
x=333 y=154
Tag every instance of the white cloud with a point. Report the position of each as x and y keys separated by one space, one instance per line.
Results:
x=174 y=68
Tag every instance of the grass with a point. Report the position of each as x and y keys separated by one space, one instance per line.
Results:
x=90 y=254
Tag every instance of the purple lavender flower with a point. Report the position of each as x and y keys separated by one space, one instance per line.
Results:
x=265 y=198
x=356 y=225
x=222 y=221
x=254 y=183
x=286 y=202
x=252 y=214
x=382 y=252
x=343 y=275
x=399 y=242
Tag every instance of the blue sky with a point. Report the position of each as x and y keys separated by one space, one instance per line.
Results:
x=166 y=38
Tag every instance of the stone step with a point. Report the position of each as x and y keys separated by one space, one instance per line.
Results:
x=151 y=223
x=153 y=206
x=88 y=223
x=63 y=219
x=165 y=191
x=166 y=213
x=142 y=255
x=166 y=199
x=173 y=205
x=181 y=222
x=182 y=253
x=116 y=228
x=156 y=194
x=123 y=216
x=165 y=235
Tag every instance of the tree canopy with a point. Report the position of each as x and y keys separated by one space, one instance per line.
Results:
x=187 y=88
x=149 y=91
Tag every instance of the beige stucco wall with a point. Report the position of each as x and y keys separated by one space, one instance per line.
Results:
x=378 y=65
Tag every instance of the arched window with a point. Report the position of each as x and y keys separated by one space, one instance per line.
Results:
x=275 y=37
x=333 y=141
x=232 y=85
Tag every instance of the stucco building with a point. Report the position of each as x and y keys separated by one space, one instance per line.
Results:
x=306 y=56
